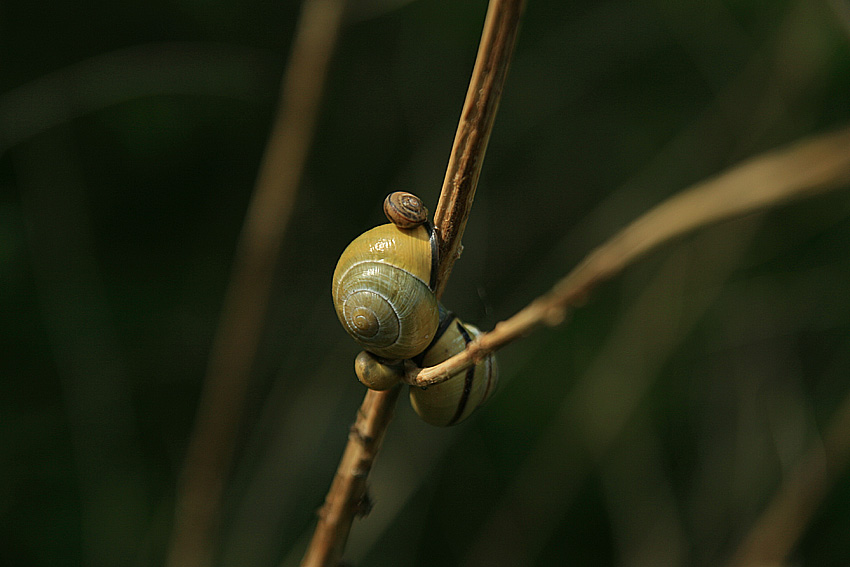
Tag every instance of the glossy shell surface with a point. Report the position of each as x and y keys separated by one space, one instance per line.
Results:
x=405 y=210
x=377 y=374
x=452 y=401
x=382 y=290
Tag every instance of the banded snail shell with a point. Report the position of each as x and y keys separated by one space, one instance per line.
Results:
x=383 y=290
x=452 y=401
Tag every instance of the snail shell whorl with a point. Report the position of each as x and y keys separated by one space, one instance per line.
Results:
x=383 y=290
x=405 y=210
x=452 y=401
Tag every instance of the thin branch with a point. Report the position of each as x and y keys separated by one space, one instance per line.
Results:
x=234 y=349
x=347 y=495
x=782 y=523
x=348 y=490
x=804 y=169
x=473 y=132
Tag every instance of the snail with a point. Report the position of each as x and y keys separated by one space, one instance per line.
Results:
x=383 y=288
x=446 y=403
x=452 y=401
x=383 y=293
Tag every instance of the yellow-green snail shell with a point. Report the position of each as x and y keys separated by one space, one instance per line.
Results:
x=383 y=290
x=377 y=373
x=452 y=401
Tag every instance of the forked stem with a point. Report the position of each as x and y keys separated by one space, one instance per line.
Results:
x=348 y=489
x=804 y=169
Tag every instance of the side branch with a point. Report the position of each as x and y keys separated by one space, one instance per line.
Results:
x=473 y=131
x=803 y=169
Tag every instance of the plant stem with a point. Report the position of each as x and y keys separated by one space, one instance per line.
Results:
x=347 y=495
x=476 y=123
x=348 y=489
x=804 y=169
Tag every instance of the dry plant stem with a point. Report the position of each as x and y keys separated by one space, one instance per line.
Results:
x=482 y=100
x=234 y=348
x=347 y=495
x=473 y=132
x=780 y=526
x=806 y=168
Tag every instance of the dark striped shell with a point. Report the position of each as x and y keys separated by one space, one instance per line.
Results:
x=452 y=401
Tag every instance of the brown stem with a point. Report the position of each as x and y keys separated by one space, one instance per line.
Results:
x=804 y=169
x=347 y=494
x=211 y=444
x=473 y=132
x=348 y=489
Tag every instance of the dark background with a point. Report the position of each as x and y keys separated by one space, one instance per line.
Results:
x=650 y=429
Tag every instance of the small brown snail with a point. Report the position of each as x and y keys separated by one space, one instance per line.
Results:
x=383 y=293
x=405 y=210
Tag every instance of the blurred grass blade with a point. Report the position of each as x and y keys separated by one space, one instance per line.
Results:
x=212 y=443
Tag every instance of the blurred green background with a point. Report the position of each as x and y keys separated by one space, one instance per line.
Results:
x=650 y=429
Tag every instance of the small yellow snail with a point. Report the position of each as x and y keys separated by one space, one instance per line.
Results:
x=383 y=292
x=378 y=373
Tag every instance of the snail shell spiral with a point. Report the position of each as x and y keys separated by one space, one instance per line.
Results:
x=405 y=210
x=383 y=293
x=383 y=290
x=446 y=403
